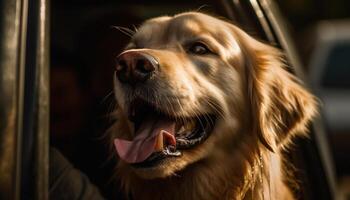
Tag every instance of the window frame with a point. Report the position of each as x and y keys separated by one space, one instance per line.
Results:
x=24 y=88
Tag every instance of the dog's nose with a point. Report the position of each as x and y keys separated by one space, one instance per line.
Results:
x=135 y=67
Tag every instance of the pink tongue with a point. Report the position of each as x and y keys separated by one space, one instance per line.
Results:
x=142 y=146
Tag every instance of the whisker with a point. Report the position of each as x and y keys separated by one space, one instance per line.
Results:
x=127 y=30
x=156 y=98
x=216 y=109
x=135 y=28
x=201 y=7
x=107 y=96
x=148 y=98
x=197 y=116
x=124 y=30
x=208 y=120
x=110 y=107
x=169 y=106
x=182 y=118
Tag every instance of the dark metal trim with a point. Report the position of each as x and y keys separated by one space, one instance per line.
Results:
x=43 y=84
x=24 y=86
x=35 y=134
x=263 y=21
x=273 y=15
x=12 y=54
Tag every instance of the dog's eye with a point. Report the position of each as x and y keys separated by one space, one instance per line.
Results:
x=199 y=48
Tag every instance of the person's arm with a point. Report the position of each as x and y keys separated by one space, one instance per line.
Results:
x=68 y=183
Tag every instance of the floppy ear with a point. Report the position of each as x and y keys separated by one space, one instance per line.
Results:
x=281 y=106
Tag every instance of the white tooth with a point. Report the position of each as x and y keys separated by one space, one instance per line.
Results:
x=159 y=143
x=181 y=130
x=187 y=128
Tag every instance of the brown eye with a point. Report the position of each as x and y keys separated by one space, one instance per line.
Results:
x=199 y=48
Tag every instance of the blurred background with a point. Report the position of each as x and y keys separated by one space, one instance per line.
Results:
x=84 y=45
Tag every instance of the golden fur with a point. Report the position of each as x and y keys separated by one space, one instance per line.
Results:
x=259 y=104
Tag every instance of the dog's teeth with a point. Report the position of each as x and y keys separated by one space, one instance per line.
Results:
x=171 y=151
x=181 y=130
x=159 y=143
x=171 y=148
x=185 y=131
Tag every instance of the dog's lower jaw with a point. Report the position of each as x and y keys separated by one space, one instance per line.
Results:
x=216 y=177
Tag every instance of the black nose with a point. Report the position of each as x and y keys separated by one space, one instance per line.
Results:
x=135 y=67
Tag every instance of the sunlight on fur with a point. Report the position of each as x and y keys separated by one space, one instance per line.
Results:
x=204 y=111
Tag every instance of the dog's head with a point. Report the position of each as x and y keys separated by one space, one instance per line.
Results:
x=187 y=85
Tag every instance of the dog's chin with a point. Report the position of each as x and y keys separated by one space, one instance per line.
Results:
x=166 y=168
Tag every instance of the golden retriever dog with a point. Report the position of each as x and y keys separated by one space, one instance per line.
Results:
x=204 y=112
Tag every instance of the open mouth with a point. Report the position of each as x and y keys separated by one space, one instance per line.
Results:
x=158 y=135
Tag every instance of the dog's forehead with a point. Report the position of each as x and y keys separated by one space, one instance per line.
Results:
x=181 y=26
x=195 y=23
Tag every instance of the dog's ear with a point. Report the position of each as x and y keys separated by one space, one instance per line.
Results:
x=281 y=106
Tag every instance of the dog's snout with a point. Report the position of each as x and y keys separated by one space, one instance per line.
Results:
x=134 y=67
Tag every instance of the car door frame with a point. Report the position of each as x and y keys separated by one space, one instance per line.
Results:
x=24 y=104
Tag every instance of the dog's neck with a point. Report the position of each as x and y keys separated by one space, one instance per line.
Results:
x=253 y=178
x=264 y=180
x=217 y=178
